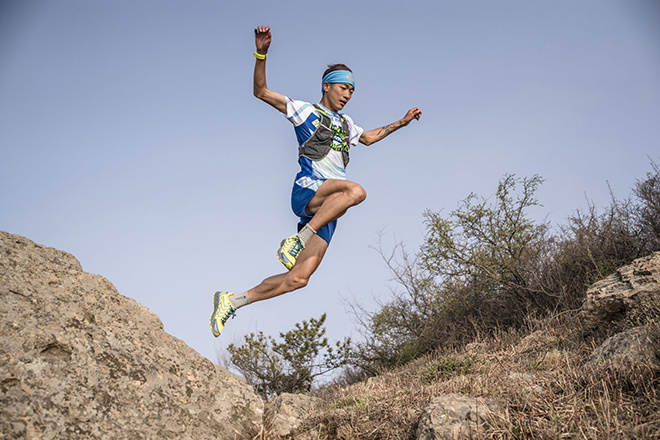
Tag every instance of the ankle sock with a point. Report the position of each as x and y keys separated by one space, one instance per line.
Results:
x=306 y=233
x=239 y=300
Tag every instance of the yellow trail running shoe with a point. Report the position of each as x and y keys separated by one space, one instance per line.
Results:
x=222 y=311
x=290 y=249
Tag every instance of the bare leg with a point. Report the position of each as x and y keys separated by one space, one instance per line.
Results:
x=297 y=277
x=331 y=201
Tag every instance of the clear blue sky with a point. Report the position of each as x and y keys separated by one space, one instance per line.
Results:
x=130 y=138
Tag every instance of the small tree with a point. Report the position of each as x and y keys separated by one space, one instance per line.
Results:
x=289 y=366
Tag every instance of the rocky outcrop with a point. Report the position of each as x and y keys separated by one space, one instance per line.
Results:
x=623 y=295
x=81 y=361
x=625 y=302
x=454 y=417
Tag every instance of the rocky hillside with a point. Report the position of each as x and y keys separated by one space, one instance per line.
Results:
x=81 y=361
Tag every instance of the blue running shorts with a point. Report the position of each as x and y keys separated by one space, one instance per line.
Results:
x=300 y=197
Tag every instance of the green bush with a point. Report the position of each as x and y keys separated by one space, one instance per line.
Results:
x=493 y=250
x=477 y=269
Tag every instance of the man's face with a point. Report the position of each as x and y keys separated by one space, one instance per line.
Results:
x=337 y=95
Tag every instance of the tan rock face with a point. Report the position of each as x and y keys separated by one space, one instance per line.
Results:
x=285 y=413
x=79 y=360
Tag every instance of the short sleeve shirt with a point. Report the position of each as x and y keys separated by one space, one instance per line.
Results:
x=305 y=118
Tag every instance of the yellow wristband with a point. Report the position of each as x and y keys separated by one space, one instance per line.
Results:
x=259 y=56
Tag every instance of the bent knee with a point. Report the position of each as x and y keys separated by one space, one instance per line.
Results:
x=358 y=194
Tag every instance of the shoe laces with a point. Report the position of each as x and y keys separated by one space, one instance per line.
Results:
x=229 y=313
x=295 y=247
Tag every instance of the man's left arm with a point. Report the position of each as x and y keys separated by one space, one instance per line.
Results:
x=371 y=136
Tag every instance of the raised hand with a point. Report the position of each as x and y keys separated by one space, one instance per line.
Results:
x=262 y=39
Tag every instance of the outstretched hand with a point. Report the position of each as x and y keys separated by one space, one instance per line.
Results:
x=262 y=39
x=371 y=136
x=413 y=113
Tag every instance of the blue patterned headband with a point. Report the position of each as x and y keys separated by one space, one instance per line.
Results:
x=339 y=77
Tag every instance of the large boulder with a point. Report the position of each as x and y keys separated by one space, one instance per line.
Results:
x=81 y=361
x=454 y=417
x=629 y=293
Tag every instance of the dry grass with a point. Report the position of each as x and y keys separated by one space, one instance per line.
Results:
x=539 y=376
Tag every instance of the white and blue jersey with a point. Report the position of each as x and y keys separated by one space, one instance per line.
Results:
x=313 y=173
x=305 y=119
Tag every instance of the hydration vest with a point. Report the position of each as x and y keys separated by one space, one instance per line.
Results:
x=321 y=142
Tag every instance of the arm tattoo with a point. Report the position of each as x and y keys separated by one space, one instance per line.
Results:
x=388 y=129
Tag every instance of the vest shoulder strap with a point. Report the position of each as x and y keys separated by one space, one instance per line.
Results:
x=327 y=120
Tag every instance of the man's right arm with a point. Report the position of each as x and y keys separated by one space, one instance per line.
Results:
x=262 y=38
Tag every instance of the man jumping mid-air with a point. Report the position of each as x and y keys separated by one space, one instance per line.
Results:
x=321 y=194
